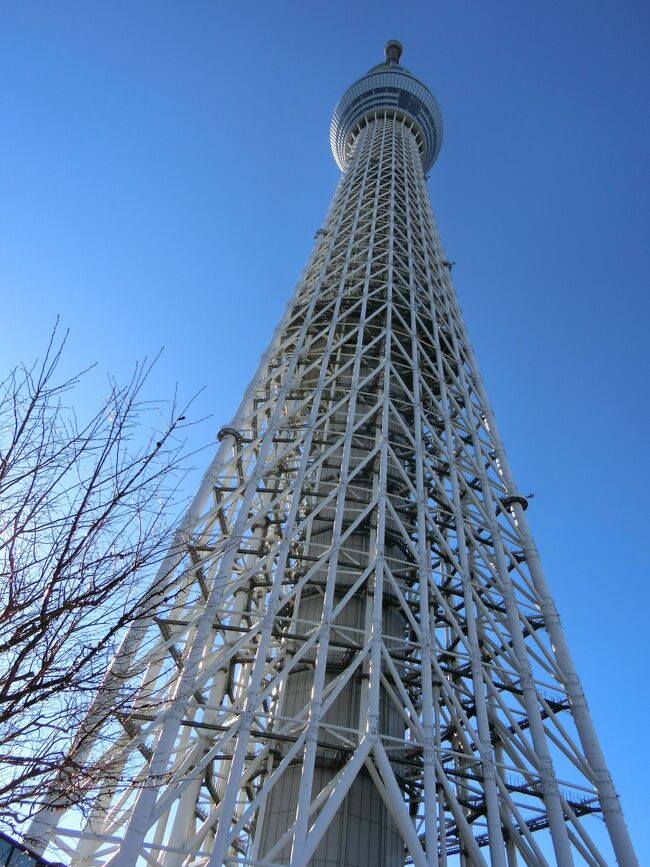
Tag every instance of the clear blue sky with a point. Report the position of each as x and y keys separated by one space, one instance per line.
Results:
x=163 y=167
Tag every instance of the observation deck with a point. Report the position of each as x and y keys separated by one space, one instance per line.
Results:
x=391 y=88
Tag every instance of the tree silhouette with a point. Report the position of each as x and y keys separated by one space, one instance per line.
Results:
x=85 y=520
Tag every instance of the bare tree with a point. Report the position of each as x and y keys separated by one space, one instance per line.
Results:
x=85 y=517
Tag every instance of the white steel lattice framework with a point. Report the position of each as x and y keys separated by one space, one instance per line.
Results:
x=362 y=664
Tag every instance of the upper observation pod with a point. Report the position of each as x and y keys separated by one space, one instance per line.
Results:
x=387 y=88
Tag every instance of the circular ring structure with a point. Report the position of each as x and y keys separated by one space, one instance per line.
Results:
x=389 y=88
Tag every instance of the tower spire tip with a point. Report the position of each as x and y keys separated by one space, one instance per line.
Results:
x=393 y=51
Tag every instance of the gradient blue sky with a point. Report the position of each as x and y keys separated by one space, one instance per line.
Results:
x=163 y=167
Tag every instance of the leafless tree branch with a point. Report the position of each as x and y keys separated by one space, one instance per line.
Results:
x=86 y=518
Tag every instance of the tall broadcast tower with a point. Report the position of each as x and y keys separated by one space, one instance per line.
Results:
x=360 y=664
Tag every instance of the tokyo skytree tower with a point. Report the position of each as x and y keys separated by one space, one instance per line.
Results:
x=361 y=663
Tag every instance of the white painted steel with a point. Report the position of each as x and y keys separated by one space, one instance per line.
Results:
x=363 y=664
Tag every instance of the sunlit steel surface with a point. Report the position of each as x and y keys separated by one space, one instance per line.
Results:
x=362 y=664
